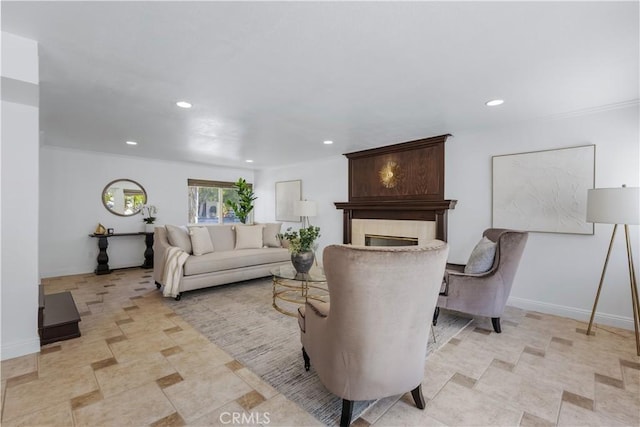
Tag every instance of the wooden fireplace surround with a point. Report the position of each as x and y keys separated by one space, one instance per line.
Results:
x=402 y=181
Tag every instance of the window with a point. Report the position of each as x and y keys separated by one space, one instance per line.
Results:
x=207 y=201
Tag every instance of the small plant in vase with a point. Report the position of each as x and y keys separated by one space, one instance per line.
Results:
x=149 y=217
x=302 y=244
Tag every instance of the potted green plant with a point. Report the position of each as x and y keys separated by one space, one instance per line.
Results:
x=244 y=205
x=302 y=244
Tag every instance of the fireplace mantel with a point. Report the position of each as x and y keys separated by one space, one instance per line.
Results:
x=398 y=182
x=416 y=210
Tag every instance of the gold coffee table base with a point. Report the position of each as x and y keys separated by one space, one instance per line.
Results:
x=293 y=288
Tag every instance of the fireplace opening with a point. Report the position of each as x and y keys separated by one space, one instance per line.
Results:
x=377 y=240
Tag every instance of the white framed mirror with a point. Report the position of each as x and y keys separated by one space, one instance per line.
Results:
x=124 y=197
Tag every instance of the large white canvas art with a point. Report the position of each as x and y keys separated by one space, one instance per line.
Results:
x=544 y=191
x=287 y=193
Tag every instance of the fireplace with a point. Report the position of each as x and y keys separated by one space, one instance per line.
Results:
x=420 y=231
x=376 y=240
x=401 y=183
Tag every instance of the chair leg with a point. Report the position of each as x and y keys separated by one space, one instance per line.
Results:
x=495 y=321
x=417 y=397
x=307 y=361
x=436 y=313
x=347 y=412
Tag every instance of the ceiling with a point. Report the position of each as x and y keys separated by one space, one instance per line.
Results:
x=270 y=81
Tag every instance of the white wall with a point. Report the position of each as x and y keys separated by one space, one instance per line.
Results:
x=559 y=273
x=19 y=204
x=71 y=186
x=20 y=58
x=324 y=181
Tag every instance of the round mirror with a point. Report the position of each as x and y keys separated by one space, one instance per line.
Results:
x=124 y=197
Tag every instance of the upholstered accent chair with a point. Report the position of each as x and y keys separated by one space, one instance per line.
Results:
x=370 y=340
x=484 y=293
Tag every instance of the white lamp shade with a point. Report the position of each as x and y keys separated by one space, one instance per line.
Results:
x=305 y=208
x=614 y=205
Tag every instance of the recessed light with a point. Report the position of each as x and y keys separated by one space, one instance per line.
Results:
x=327 y=142
x=494 y=102
x=132 y=143
x=183 y=104
x=249 y=161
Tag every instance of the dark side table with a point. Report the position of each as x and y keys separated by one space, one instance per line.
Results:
x=103 y=244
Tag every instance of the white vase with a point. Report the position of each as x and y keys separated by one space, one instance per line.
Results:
x=148 y=228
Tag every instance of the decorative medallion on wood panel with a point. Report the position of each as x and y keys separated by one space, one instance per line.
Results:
x=390 y=174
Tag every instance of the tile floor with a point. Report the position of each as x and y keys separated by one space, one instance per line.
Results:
x=138 y=363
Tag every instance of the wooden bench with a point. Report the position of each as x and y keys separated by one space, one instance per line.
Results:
x=58 y=317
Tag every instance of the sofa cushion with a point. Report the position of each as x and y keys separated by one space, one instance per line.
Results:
x=179 y=236
x=222 y=236
x=200 y=241
x=249 y=236
x=227 y=260
x=270 y=234
x=482 y=256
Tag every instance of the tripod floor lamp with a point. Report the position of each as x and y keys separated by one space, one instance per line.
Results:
x=618 y=206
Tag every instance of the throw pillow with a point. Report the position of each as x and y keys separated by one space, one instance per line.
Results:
x=482 y=256
x=179 y=236
x=222 y=236
x=248 y=236
x=270 y=235
x=200 y=240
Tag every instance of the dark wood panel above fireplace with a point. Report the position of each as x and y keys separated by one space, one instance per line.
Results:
x=402 y=181
x=408 y=171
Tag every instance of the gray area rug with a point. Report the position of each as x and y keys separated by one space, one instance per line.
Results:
x=239 y=318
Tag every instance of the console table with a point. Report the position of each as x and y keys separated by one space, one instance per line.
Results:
x=103 y=244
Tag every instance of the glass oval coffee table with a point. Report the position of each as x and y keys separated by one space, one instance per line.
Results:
x=291 y=288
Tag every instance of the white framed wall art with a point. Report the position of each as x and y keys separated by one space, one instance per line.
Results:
x=544 y=191
x=287 y=193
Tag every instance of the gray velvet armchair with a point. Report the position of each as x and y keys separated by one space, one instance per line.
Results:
x=370 y=341
x=484 y=294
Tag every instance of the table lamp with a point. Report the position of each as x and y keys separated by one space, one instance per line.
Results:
x=617 y=206
x=305 y=209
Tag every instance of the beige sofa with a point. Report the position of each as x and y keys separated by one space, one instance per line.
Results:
x=237 y=253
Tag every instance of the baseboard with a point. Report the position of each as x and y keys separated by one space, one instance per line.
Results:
x=63 y=272
x=571 y=312
x=20 y=348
